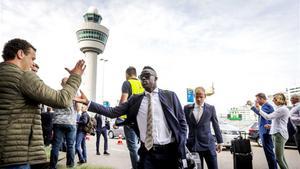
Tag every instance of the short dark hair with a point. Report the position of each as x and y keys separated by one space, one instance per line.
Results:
x=149 y=67
x=131 y=71
x=13 y=46
x=261 y=96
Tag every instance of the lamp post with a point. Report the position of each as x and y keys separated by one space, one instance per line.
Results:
x=103 y=74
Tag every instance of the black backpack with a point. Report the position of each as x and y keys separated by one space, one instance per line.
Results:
x=90 y=126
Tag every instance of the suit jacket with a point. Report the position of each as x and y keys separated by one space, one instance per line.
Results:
x=268 y=108
x=200 y=137
x=171 y=107
x=46 y=118
x=100 y=123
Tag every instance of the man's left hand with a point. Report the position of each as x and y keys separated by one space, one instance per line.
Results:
x=267 y=126
x=219 y=148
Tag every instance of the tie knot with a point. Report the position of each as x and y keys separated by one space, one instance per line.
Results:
x=148 y=95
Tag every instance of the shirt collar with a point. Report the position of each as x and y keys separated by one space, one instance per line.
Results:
x=197 y=105
x=154 y=91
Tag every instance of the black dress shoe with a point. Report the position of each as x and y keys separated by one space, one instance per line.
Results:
x=81 y=162
x=106 y=153
x=98 y=153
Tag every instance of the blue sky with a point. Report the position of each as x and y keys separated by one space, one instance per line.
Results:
x=243 y=47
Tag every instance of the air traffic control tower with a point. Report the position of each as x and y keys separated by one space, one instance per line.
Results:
x=92 y=39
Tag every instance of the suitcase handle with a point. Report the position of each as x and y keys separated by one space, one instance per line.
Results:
x=243 y=154
x=240 y=133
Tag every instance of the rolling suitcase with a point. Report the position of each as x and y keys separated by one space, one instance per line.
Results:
x=242 y=154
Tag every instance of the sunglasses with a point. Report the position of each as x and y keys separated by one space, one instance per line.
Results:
x=145 y=75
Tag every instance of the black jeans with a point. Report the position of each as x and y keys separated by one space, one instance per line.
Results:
x=158 y=157
x=210 y=159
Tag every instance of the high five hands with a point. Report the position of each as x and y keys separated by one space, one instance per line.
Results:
x=82 y=98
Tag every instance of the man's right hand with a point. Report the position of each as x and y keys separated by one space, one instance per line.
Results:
x=249 y=103
x=78 y=69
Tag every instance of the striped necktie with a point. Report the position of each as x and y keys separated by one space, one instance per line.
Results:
x=149 y=136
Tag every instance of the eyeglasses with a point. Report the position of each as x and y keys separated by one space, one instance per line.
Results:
x=145 y=75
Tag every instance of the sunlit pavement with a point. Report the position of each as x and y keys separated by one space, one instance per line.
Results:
x=119 y=156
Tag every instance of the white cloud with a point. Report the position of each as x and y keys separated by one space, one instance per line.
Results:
x=243 y=47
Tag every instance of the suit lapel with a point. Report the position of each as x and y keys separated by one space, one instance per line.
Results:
x=192 y=116
x=164 y=100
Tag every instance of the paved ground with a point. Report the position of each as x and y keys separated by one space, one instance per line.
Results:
x=119 y=158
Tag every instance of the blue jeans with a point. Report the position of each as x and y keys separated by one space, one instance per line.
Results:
x=132 y=145
x=268 y=147
x=61 y=131
x=102 y=131
x=19 y=166
x=81 y=146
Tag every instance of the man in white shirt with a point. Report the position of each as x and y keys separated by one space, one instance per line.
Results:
x=199 y=116
x=157 y=118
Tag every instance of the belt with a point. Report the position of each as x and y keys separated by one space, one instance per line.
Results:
x=159 y=148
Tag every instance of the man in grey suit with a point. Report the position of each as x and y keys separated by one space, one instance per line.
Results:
x=199 y=116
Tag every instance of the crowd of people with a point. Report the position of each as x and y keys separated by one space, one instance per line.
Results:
x=157 y=128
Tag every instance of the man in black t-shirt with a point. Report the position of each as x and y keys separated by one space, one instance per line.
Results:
x=131 y=86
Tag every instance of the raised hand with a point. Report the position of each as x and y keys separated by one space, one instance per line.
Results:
x=249 y=103
x=78 y=69
x=257 y=105
x=82 y=98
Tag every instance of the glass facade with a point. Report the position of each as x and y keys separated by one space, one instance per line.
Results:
x=89 y=34
x=91 y=17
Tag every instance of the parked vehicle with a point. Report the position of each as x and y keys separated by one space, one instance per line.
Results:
x=115 y=131
x=229 y=132
x=253 y=135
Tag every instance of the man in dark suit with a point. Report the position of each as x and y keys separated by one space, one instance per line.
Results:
x=101 y=129
x=157 y=118
x=264 y=128
x=47 y=125
x=199 y=116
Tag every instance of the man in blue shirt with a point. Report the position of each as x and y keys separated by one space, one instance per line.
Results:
x=264 y=128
